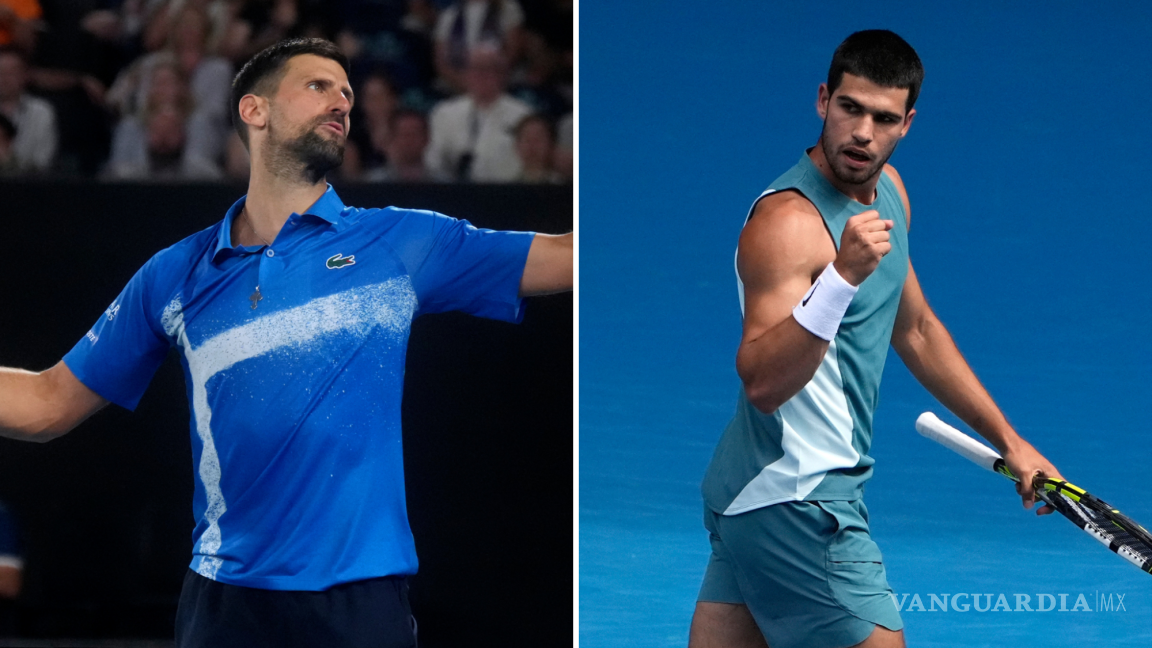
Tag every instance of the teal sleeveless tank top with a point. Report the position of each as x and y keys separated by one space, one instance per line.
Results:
x=815 y=446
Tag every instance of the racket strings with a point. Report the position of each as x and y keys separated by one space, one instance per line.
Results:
x=1111 y=528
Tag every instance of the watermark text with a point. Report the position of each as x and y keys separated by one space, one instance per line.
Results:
x=965 y=602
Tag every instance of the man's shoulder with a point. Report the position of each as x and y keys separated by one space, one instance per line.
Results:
x=167 y=269
x=890 y=172
x=784 y=207
x=390 y=218
x=898 y=185
x=783 y=225
x=189 y=249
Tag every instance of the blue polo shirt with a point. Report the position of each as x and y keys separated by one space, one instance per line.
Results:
x=295 y=403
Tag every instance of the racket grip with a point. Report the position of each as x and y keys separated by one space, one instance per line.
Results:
x=929 y=425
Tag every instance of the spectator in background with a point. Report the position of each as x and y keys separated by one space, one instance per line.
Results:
x=468 y=24
x=472 y=135
x=419 y=16
x=71 y=69
x=164 y=157
x=118 y=26
x=209 y=77
x=543 y=79
x=143 y=142
x=535 y=145
x=18 y=21
x=376 y=101
x=11 y=571
x=404 y=148
x=167 y=142
x=391 y=35
x=250 y=26
x=159 y=18
x=34 y=146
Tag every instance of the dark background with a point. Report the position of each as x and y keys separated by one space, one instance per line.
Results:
x=105 y=511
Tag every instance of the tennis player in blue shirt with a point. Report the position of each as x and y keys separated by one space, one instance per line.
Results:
x=291 y=317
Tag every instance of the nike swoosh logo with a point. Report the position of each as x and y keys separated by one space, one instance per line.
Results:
x=810 y=293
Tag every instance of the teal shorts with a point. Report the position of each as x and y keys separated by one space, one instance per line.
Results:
x=808 y=571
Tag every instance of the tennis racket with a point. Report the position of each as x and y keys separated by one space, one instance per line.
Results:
x=1097 y=518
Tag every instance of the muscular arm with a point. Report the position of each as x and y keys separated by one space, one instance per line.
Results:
x=549 y=266
x=782 y=249
x=927 y=349
x=930 y=354
x=42 y=406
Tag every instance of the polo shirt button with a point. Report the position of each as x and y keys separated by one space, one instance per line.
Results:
x=270 y=252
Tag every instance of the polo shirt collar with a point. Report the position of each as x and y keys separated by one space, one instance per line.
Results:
x=327 y=208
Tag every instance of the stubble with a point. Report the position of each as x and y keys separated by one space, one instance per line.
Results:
x=307 y=156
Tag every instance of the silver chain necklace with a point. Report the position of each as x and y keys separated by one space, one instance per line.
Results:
x=256 y=296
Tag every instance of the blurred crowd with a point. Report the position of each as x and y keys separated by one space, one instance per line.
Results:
x=446 y=90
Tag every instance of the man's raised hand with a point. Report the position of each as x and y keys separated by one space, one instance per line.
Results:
x=863 y=243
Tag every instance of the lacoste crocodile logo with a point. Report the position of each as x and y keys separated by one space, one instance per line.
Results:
x=339 y=261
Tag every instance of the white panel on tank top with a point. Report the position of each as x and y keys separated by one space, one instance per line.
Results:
x=816 y=438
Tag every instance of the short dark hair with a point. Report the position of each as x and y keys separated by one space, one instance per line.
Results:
x=883 y=58
x=262 y=73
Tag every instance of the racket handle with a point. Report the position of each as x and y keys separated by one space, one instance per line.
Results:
x=929 y=425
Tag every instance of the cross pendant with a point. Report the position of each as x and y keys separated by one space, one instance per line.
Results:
x=256 y=296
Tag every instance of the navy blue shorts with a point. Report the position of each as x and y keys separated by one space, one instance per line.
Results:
x=369 y=613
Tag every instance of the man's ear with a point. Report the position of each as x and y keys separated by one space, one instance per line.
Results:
x=254 y=111
x=908 y=122
x=822 y=98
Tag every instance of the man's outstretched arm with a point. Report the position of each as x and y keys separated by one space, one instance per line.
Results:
x=927 y=349
x=549 y=266
x=40 y=406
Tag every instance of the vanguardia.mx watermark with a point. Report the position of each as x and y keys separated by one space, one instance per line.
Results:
x=964 y=602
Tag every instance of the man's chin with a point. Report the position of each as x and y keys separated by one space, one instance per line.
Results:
x=855 y=176
x=330 y=135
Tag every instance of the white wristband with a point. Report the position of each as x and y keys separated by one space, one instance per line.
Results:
x=824 y=304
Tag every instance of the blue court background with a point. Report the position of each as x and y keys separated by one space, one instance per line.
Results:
x=1030 y=182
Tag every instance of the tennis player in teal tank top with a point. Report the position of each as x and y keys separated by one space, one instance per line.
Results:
x=825 y=285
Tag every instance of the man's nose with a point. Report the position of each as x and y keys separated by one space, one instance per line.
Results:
x=341 y=104
x=863 y=130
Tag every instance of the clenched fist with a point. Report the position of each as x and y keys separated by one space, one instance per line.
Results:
x=864 y=242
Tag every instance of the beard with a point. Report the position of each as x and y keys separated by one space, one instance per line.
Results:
x=847 y=174
x=308 y=155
